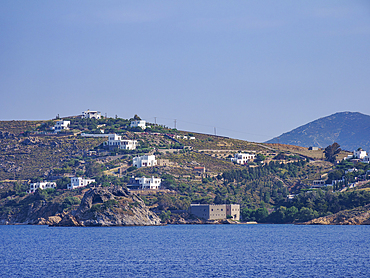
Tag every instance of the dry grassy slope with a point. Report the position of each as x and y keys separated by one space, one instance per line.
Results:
x=27 y=157
x=24 y=158
x=182 y=164
x=193 y=159
x=17 y=127
x=319 y=154
x=211 y=142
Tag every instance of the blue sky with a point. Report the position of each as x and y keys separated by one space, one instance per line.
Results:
x=251 y=69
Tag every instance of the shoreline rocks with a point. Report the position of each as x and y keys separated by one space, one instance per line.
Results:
x=356 y=216
x=100 y=206
x=110 y=206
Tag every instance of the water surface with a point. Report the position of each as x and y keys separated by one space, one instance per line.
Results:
x=185 y=251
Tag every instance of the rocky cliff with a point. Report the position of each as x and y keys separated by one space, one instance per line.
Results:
x=357 y=216
x=29 y=210
x=100 y=206
x=110 y=206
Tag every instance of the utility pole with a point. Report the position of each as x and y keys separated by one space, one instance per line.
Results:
x=215 y=130
x=175 y=123
x=155 y=120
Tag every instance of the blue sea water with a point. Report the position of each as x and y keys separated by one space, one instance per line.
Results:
x=185 y=251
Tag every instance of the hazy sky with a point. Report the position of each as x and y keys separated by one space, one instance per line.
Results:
x=252 y=69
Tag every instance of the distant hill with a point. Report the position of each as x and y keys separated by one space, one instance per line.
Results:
x=351 y=130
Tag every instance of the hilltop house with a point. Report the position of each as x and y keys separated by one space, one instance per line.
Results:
x=215 y=212
x=115 y=141
x=61 y=125
x=91 y=115
x=318 y=183
x=138 y=123
x=359 y=154
x=144 y=183
x=144 y=161
x=242 y=158
x=41 y=185
x=200 y=169
x=79 y=182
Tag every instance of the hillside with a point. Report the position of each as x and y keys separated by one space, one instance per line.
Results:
x=351 y=130
x=30 y=153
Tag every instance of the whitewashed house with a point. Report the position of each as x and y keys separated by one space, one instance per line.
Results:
x=91 y=115
x=352 y=170
x=318 y=183
x=61 y=125
x=41 y=185
x=359 y=154
x=144 y=161
x=115 y=140
x=145 y=183
x=366 y=159
x=79 y=182
x=138 y=123
x=129 y=144
x=242 y=158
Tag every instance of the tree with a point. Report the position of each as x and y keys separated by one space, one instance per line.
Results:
x=291 y=214
x=260 y=157
x=331 y=152
x=261 y=214
x=63 y=183
x=94 y=169
x=306 y=214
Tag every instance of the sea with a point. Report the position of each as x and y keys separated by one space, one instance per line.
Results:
x=185 y=251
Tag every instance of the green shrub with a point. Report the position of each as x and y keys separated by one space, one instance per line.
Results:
x=96 y=207
x=110 y=203
x=70 y=201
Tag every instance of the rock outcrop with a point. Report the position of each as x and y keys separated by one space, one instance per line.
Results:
x=34 y=210
x=110 y=206
x=357 y=216
x=6 y=135
x=100 y=206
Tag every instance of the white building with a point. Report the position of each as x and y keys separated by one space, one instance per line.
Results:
x=360 y=154
x=139 y=123
x=61 y=125
x=146 y=183
x=115 y=140
x=79 y=182
x=41 y=185
x=366 y=159
x=242 y=158
x=91 y=115
x=144 y=161
x=352 y=170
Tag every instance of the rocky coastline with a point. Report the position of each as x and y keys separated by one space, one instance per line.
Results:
x=356 y=216
x=100 y=206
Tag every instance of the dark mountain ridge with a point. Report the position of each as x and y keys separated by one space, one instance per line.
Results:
x=351 y=130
